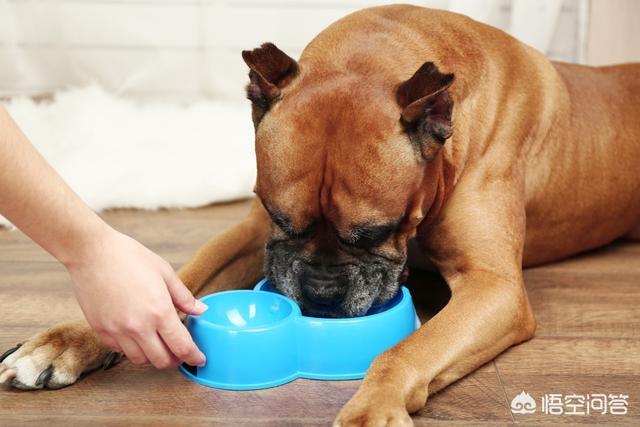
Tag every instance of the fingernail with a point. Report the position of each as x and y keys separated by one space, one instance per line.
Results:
x=200 y=306
x=203 y=359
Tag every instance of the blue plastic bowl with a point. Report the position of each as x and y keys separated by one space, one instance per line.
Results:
x=259 y=339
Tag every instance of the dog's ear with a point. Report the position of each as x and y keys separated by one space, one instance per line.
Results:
x=270 y=70
x=426 y=107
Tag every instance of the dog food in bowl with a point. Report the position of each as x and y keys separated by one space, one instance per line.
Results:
x=258 y=339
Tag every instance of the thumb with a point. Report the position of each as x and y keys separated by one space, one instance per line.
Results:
x=182 y=298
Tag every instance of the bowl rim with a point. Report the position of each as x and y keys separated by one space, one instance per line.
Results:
x=294 y=313
x=405 y=299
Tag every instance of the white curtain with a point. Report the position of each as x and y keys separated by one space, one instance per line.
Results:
x=125 y=140
x=181 y=51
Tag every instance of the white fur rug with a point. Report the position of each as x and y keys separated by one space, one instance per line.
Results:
x=116 y=152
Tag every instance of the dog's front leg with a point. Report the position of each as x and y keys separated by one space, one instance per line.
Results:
x=478 y=248
x=231 y=260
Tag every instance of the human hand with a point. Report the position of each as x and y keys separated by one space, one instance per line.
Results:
x=128 y=294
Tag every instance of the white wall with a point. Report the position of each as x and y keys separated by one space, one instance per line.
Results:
x=614 y=33
x=186 y=49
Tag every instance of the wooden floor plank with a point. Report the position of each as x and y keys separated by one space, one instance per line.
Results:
x=579 y=357
x=476 y=398
x=588 y=304
x=131 y=391
x=566 y=366
x=618 y=257
x=587 y=341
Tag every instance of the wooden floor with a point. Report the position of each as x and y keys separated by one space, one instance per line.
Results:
x=588 y=341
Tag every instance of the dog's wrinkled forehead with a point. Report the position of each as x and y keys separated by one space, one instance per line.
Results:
x=338 y=150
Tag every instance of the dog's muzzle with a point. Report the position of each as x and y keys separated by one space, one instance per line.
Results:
x=332 y=290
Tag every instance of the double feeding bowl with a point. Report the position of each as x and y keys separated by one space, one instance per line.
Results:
x=259 y=339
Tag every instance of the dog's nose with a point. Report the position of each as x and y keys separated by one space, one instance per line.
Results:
x=323 y=272
x=321 y=284
x=326 y=293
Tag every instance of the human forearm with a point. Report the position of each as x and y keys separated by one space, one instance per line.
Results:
x=127 y=293
x=36 y=199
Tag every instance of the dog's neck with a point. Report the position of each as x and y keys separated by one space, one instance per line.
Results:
x=437 y=184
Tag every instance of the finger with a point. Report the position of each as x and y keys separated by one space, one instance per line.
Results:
x=132 y=350
x=156 y=351
x=110 y=342
x=182 y=297
x=177 y=338
x=175 y=362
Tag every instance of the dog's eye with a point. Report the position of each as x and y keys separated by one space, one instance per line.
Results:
x=367 y=237
x=361 y=242
x=282 y=223
x=286 y=227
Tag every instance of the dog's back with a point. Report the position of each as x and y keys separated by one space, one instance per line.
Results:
x=576 y=127
x=584 y=188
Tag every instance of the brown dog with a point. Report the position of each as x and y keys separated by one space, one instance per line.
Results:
x=402 y=127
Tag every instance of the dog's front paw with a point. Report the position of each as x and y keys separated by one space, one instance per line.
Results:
x=374 y=408
x=55 y=358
